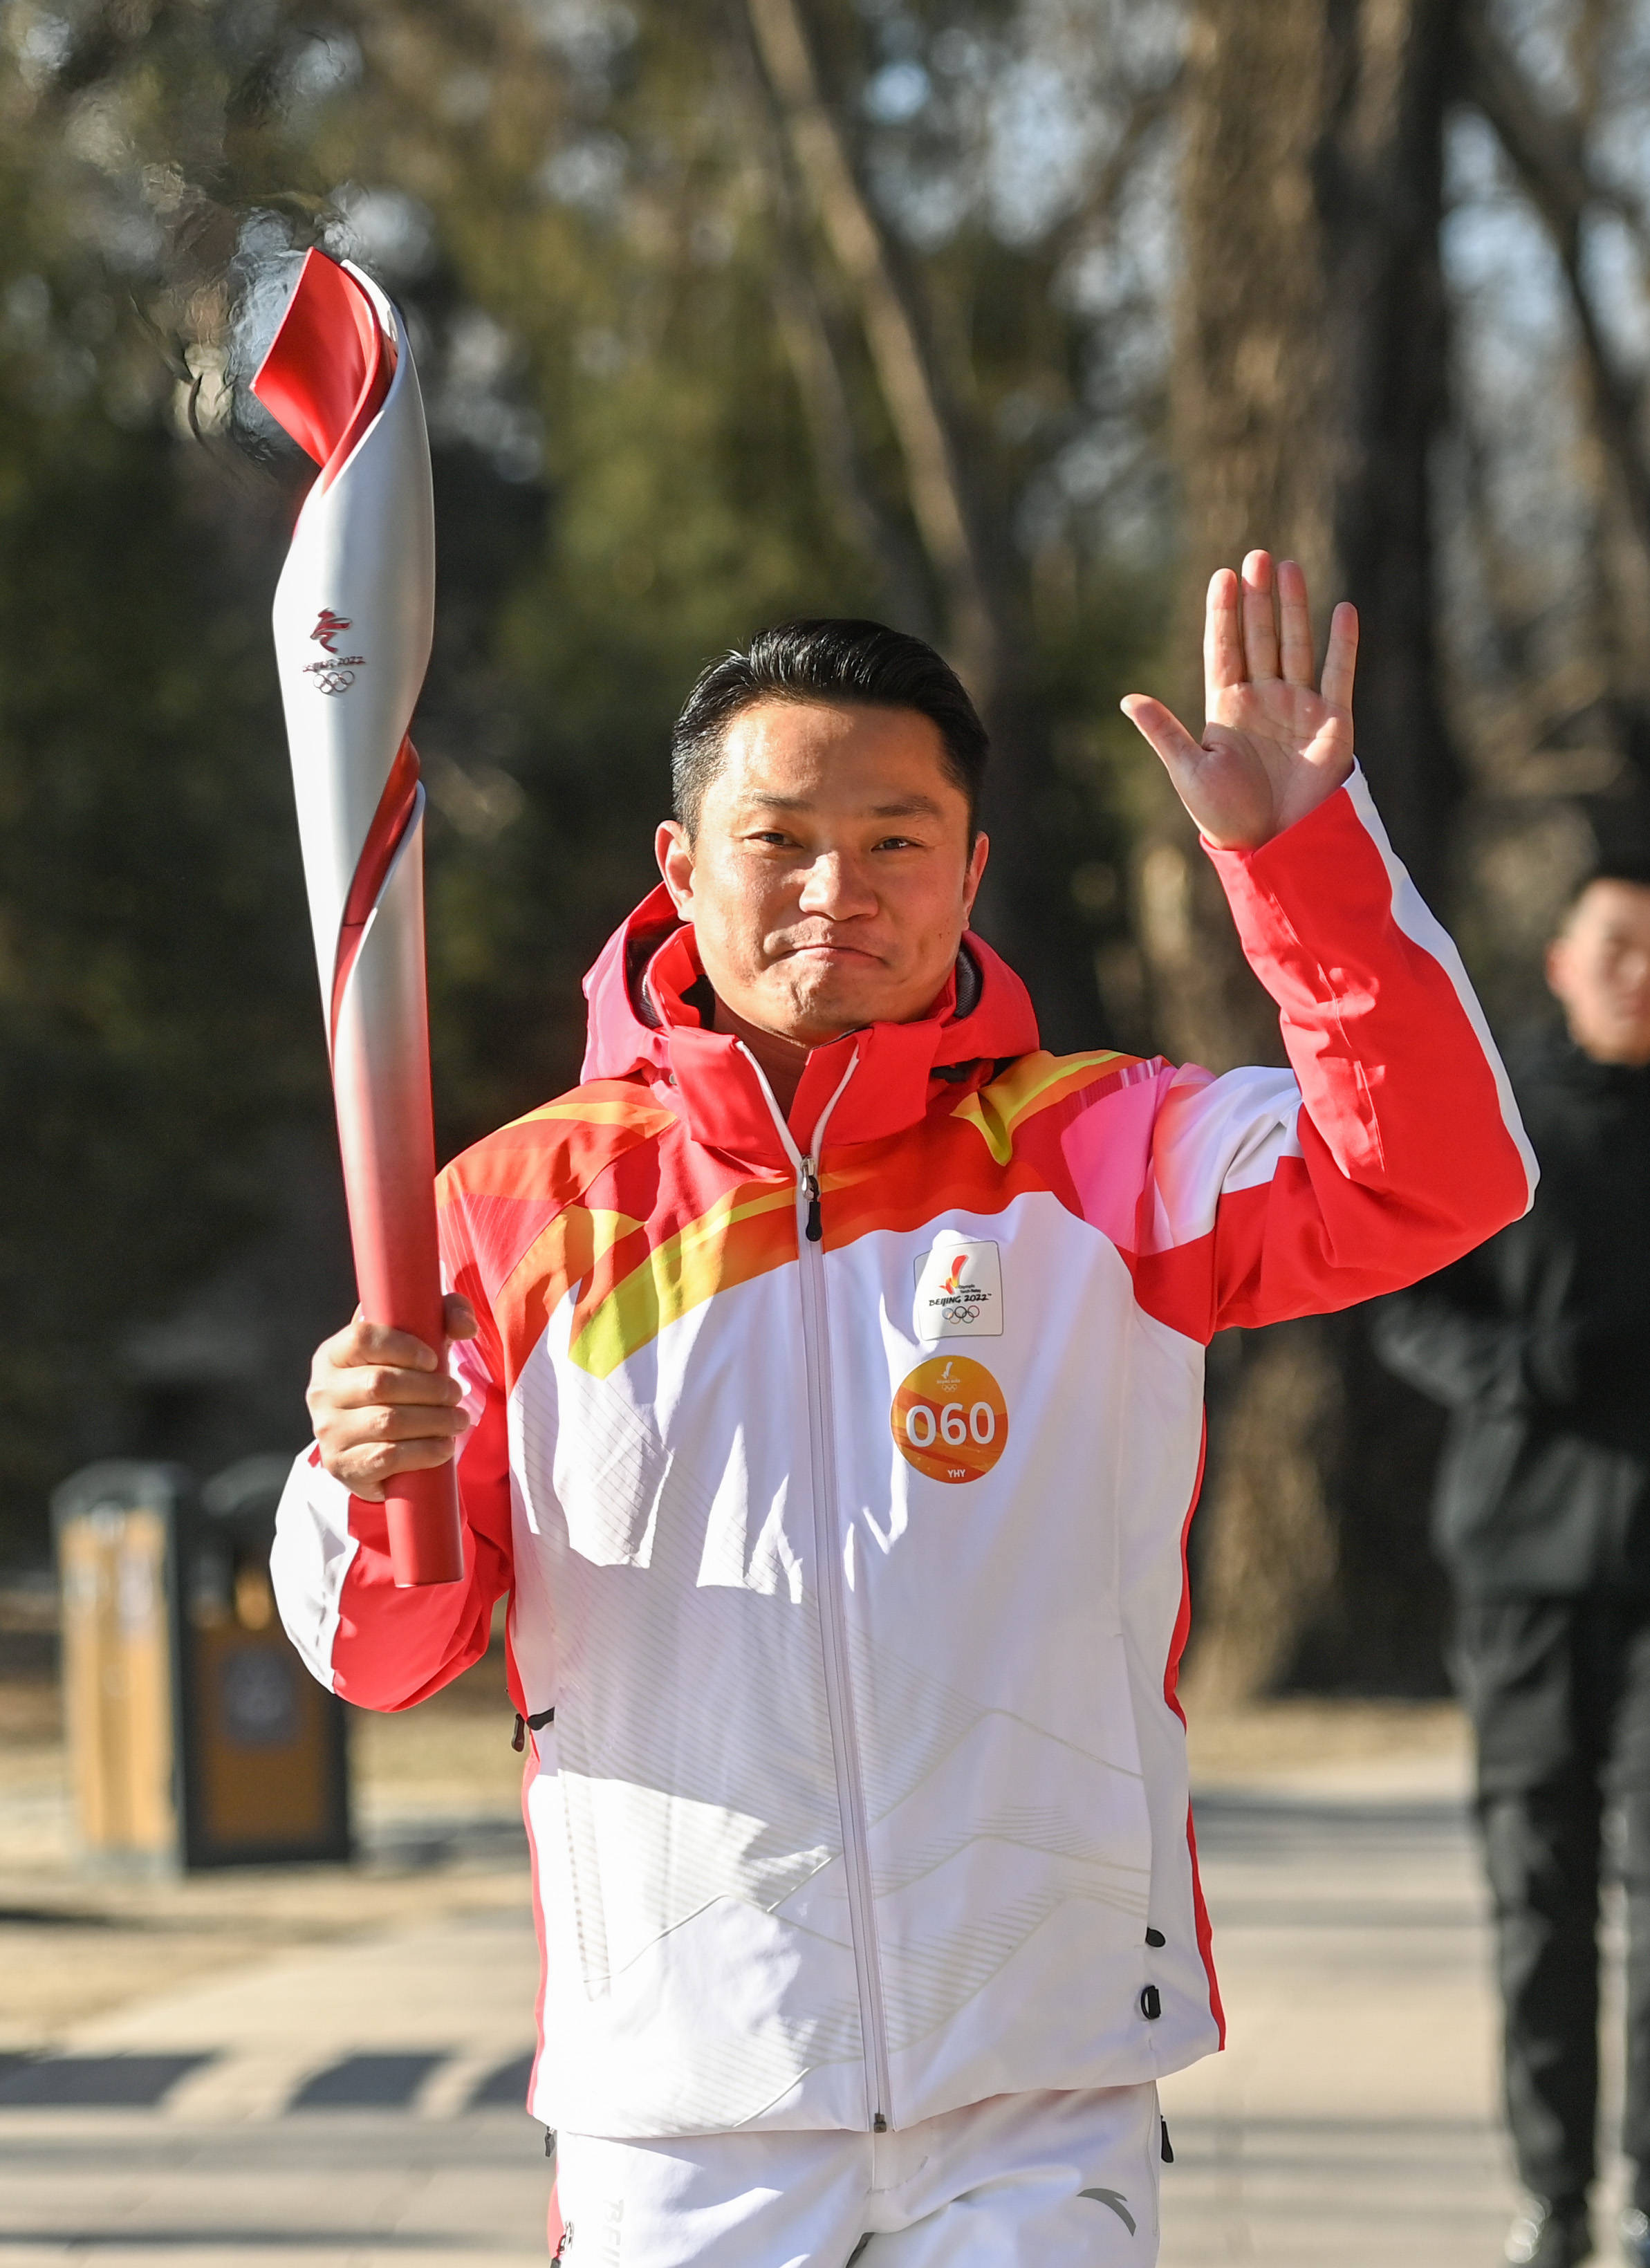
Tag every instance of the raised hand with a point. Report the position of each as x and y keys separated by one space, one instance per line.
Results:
x=1272 y=748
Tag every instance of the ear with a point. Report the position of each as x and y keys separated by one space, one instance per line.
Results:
x=674 y=853
x=1555 y=967
x=971 y=880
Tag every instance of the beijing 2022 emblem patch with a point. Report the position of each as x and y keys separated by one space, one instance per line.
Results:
x=958 y=1290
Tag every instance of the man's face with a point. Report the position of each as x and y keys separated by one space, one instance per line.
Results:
x=1599 y=967
x=831 y=876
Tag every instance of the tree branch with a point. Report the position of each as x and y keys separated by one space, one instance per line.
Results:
x=811 y=332
x=817 y=354
x=1079 y=226
x=910 y=384
x=1548 y=152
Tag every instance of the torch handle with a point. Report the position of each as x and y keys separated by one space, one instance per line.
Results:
x=426 y=1535
x=398 y=1276
x=381 y=1068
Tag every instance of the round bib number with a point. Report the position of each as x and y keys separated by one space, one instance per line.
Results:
x=950 y=1419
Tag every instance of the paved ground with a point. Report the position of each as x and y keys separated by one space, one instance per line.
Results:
x=1350 y=2119
x=326 y=2069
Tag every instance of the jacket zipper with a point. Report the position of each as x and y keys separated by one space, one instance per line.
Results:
x=827 y=1539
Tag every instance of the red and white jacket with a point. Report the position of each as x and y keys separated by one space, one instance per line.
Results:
x=838 y=1466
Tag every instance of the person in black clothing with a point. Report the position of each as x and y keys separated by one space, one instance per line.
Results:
x=1539 y=1343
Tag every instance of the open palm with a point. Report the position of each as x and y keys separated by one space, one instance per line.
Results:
x=1273 y=748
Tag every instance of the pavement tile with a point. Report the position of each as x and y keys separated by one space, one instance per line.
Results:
x=504 y=2088
x=371 y=2186
x=366 y=2082
x=95 y=2082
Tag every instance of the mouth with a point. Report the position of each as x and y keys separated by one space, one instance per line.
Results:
x=831 y=954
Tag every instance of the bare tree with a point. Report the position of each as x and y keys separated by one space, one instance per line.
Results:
x=1552 y=147
x=1311 y=388
x=1548 y=147
x=959 y=501
x=907 y=371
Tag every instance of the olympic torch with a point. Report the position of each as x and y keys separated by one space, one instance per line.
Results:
x=354 y=615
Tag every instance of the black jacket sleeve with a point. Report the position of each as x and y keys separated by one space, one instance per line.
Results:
x=1438 y=1339
x=1538 y=1345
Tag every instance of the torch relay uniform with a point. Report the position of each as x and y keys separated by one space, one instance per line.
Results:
x=837 y=1465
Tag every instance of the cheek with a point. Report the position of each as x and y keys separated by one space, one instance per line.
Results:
x=1613 y=975
x=936 y=918
x=736 y=916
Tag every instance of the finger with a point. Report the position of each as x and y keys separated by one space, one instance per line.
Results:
x=371 y=1473
x=1222 y=638
x=1295 y=614
x=397 y=1389
x=361 y=1343
x=1260 y=616
x=356 y=1429
x=1160 y=725
x=459 y=1316
x=1340 y=662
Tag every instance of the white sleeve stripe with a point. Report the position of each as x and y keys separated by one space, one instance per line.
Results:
x=1257 y=1164
x=1415 y=917
x=314 y=1553
x=1213 y=1137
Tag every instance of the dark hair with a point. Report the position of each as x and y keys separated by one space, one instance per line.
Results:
x=832 y=659
x=1631 y=870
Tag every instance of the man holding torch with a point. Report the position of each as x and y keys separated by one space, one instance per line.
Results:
x=825 y=1392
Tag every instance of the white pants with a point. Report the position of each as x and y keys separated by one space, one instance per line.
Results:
x=1023 y=2181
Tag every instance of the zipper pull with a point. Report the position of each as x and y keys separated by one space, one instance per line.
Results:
x=810 y=1185
x=526 y=1725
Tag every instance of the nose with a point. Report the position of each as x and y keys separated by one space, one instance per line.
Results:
x=836 y=889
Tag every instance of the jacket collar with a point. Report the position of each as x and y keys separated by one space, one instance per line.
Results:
x=646 y=992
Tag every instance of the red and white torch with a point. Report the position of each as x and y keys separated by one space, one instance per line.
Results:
x=354 y=615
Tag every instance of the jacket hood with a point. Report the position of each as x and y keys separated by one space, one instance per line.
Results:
x=645 y=994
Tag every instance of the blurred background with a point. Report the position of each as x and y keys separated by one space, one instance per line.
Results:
x=1004 y=320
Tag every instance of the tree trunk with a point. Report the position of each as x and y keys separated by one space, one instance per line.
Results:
x=982 y=584
x=1380 y=192
x=912 y=389
x=1310 y=387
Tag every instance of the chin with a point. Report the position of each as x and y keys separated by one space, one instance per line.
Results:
x=827 y=1009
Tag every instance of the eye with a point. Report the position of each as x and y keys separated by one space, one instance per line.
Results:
x=899 y=843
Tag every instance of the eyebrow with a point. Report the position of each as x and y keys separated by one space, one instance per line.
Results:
x=906 y=807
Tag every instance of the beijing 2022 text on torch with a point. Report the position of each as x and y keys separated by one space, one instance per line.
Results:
x=354 y=615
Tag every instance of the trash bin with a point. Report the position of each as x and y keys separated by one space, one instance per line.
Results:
x=265 y=1772
x=115 y=1525
x=196 y=1736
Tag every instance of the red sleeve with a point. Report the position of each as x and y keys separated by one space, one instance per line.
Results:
x=381 y=1647
x=1390 y=1146
x=395 y=1647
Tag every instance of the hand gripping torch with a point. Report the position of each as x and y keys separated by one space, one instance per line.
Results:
x=354 y=615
